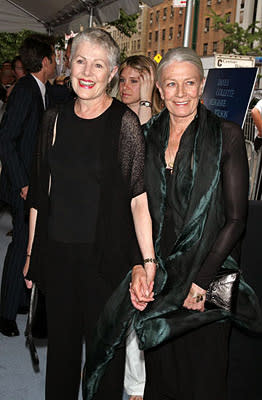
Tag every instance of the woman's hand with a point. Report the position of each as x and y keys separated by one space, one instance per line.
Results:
x=28 y=283
x=147 y=83
x=195 y=299
x=141 y=287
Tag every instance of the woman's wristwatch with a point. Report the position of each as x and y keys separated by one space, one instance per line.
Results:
x=145 y=103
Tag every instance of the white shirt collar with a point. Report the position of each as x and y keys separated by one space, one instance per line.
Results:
x=42 y=88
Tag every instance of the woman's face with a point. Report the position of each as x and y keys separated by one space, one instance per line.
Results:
x=90 y=71
x=129 y=86
x=180 y=88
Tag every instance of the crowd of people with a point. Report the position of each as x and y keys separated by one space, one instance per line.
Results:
x=124 y=211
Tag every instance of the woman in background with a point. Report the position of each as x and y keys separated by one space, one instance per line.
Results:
x=137 y=89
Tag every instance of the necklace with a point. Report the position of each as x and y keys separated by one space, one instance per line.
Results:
x=171 y=159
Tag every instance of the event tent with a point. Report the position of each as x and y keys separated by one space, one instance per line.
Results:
x=62 y=16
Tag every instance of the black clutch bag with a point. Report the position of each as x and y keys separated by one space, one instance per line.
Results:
x=222 y=292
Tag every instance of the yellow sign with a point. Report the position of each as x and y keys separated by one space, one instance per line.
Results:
x=158 y=58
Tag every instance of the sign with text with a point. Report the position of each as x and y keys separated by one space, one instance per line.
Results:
x=179 y=3
x=228 y=92
x=233 y=61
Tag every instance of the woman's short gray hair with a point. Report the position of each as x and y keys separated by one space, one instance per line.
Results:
x=180 y=54
x=100 y=37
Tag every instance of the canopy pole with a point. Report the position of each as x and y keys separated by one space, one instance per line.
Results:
x=26 y=12
x=91 y=17
x=189 y=8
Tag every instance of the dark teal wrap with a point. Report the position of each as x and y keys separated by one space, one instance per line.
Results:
x=200 y=202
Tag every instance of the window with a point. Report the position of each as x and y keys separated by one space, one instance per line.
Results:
x=180 y=11
x=242 y=5
x=156 y=36
x=151 y=19
x=157 y=15
x=207 y=24
x=162 y=52
x=139 y=25
x=171 y=12
x=241 y=17
x=214 y=47
x=179 y=31
x=150 y=37
x=228 y=17
x=205 y=48
x=138 y=44
x=163 y=34
x=149 y=53
x=164 y=13
x=155 y=53
x=170 y=33
x=209 y=3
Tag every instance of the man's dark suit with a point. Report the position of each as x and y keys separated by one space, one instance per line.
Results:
x=18 y=133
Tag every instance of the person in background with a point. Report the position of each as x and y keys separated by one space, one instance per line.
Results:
x=137 y=76
x=256 y=113
x=18 y=136
x=86 y=193
x=18 y=71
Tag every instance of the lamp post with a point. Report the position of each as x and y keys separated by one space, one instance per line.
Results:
x=189 y=8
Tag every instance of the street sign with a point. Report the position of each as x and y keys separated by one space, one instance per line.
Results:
x=234 y=61
x=179 y=3
x=158 y=58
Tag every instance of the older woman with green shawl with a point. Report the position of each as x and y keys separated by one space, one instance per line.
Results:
x=196 y=177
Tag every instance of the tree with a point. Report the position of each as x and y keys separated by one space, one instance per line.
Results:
x=238 y=40
x=10 y=44
x=126 y=24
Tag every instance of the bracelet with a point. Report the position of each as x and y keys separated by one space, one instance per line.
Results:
x=28 y=255
x=150 y=260
x=145 y=103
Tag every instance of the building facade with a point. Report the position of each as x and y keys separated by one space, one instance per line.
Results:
x=248 y=11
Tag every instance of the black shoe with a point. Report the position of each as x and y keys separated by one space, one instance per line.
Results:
x=8 y=327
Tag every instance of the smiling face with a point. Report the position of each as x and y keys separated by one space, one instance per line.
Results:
x=90 y=71
x=180 y=88
x=129 y=86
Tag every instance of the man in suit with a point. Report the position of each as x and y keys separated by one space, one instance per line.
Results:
x=18 y=135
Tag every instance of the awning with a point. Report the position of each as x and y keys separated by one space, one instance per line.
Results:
x=62 y=15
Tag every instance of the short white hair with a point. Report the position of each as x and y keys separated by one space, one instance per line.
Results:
x=180 y=54
x=101 y=38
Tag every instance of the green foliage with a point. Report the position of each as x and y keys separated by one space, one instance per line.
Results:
x=126 y=24
x=239 y=40
x=10 y=44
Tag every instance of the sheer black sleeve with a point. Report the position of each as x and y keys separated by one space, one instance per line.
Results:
x=132 y=153
x=234 y=172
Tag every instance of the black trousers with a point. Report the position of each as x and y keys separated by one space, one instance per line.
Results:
x=76 y=294
x=13 y=290
x=191 y=367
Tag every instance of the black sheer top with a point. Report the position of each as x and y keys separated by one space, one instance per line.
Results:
x=235 y=191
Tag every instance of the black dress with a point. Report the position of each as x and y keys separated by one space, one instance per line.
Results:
x=85 y=239
x=194 y=365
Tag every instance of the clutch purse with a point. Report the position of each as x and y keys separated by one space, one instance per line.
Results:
x=222 y=291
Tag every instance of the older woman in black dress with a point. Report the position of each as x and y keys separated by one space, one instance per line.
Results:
x=87 y=198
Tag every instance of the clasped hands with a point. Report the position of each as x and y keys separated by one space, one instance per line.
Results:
x=141 y=290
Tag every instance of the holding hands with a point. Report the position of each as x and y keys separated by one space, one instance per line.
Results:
x=141 y=287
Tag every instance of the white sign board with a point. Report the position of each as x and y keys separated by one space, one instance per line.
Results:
x=179 y=3
x=234 y=61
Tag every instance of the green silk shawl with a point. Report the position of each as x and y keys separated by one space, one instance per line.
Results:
x=201 y=202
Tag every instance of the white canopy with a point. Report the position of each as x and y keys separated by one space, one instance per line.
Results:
x=61 y=16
